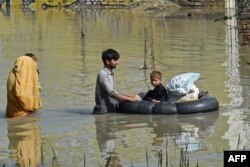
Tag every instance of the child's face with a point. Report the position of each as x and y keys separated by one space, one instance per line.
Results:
x=155 y=81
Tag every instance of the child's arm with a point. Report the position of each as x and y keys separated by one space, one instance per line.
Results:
x=148 y=96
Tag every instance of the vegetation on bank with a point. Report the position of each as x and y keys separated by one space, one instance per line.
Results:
x=137 y=5
x=62 y=3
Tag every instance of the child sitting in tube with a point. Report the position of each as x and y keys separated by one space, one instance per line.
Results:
x=159 y=93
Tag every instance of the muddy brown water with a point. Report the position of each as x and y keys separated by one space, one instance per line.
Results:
x=65 y=128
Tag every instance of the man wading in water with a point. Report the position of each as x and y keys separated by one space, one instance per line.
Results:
x=106 y=95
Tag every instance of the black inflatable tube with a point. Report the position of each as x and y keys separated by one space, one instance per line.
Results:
x=164 y=108
x=204 y=104
x=137 y=107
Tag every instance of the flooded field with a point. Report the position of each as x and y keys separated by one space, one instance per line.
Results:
x=65 y=133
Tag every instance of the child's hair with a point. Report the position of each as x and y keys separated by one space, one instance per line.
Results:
x=110 y=54
x=155 y=74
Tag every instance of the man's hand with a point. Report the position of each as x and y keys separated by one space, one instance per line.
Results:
x=135 y=98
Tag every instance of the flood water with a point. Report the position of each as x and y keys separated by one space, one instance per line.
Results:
x=65 y=133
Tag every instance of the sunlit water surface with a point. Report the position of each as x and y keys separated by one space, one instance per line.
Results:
x=65 y=132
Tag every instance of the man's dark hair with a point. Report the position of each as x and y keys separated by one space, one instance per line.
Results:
x=110 y=54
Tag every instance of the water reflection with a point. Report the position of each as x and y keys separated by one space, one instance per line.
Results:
x=5 y=11
x=106 y=138
x=195 y=129
x=24 y=141
x=118 y=134
x=236 y=134
x=28 y=12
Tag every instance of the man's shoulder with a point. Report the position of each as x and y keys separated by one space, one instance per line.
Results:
x=103 y=72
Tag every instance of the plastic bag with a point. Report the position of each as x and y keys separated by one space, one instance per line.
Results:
x=181 y=84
